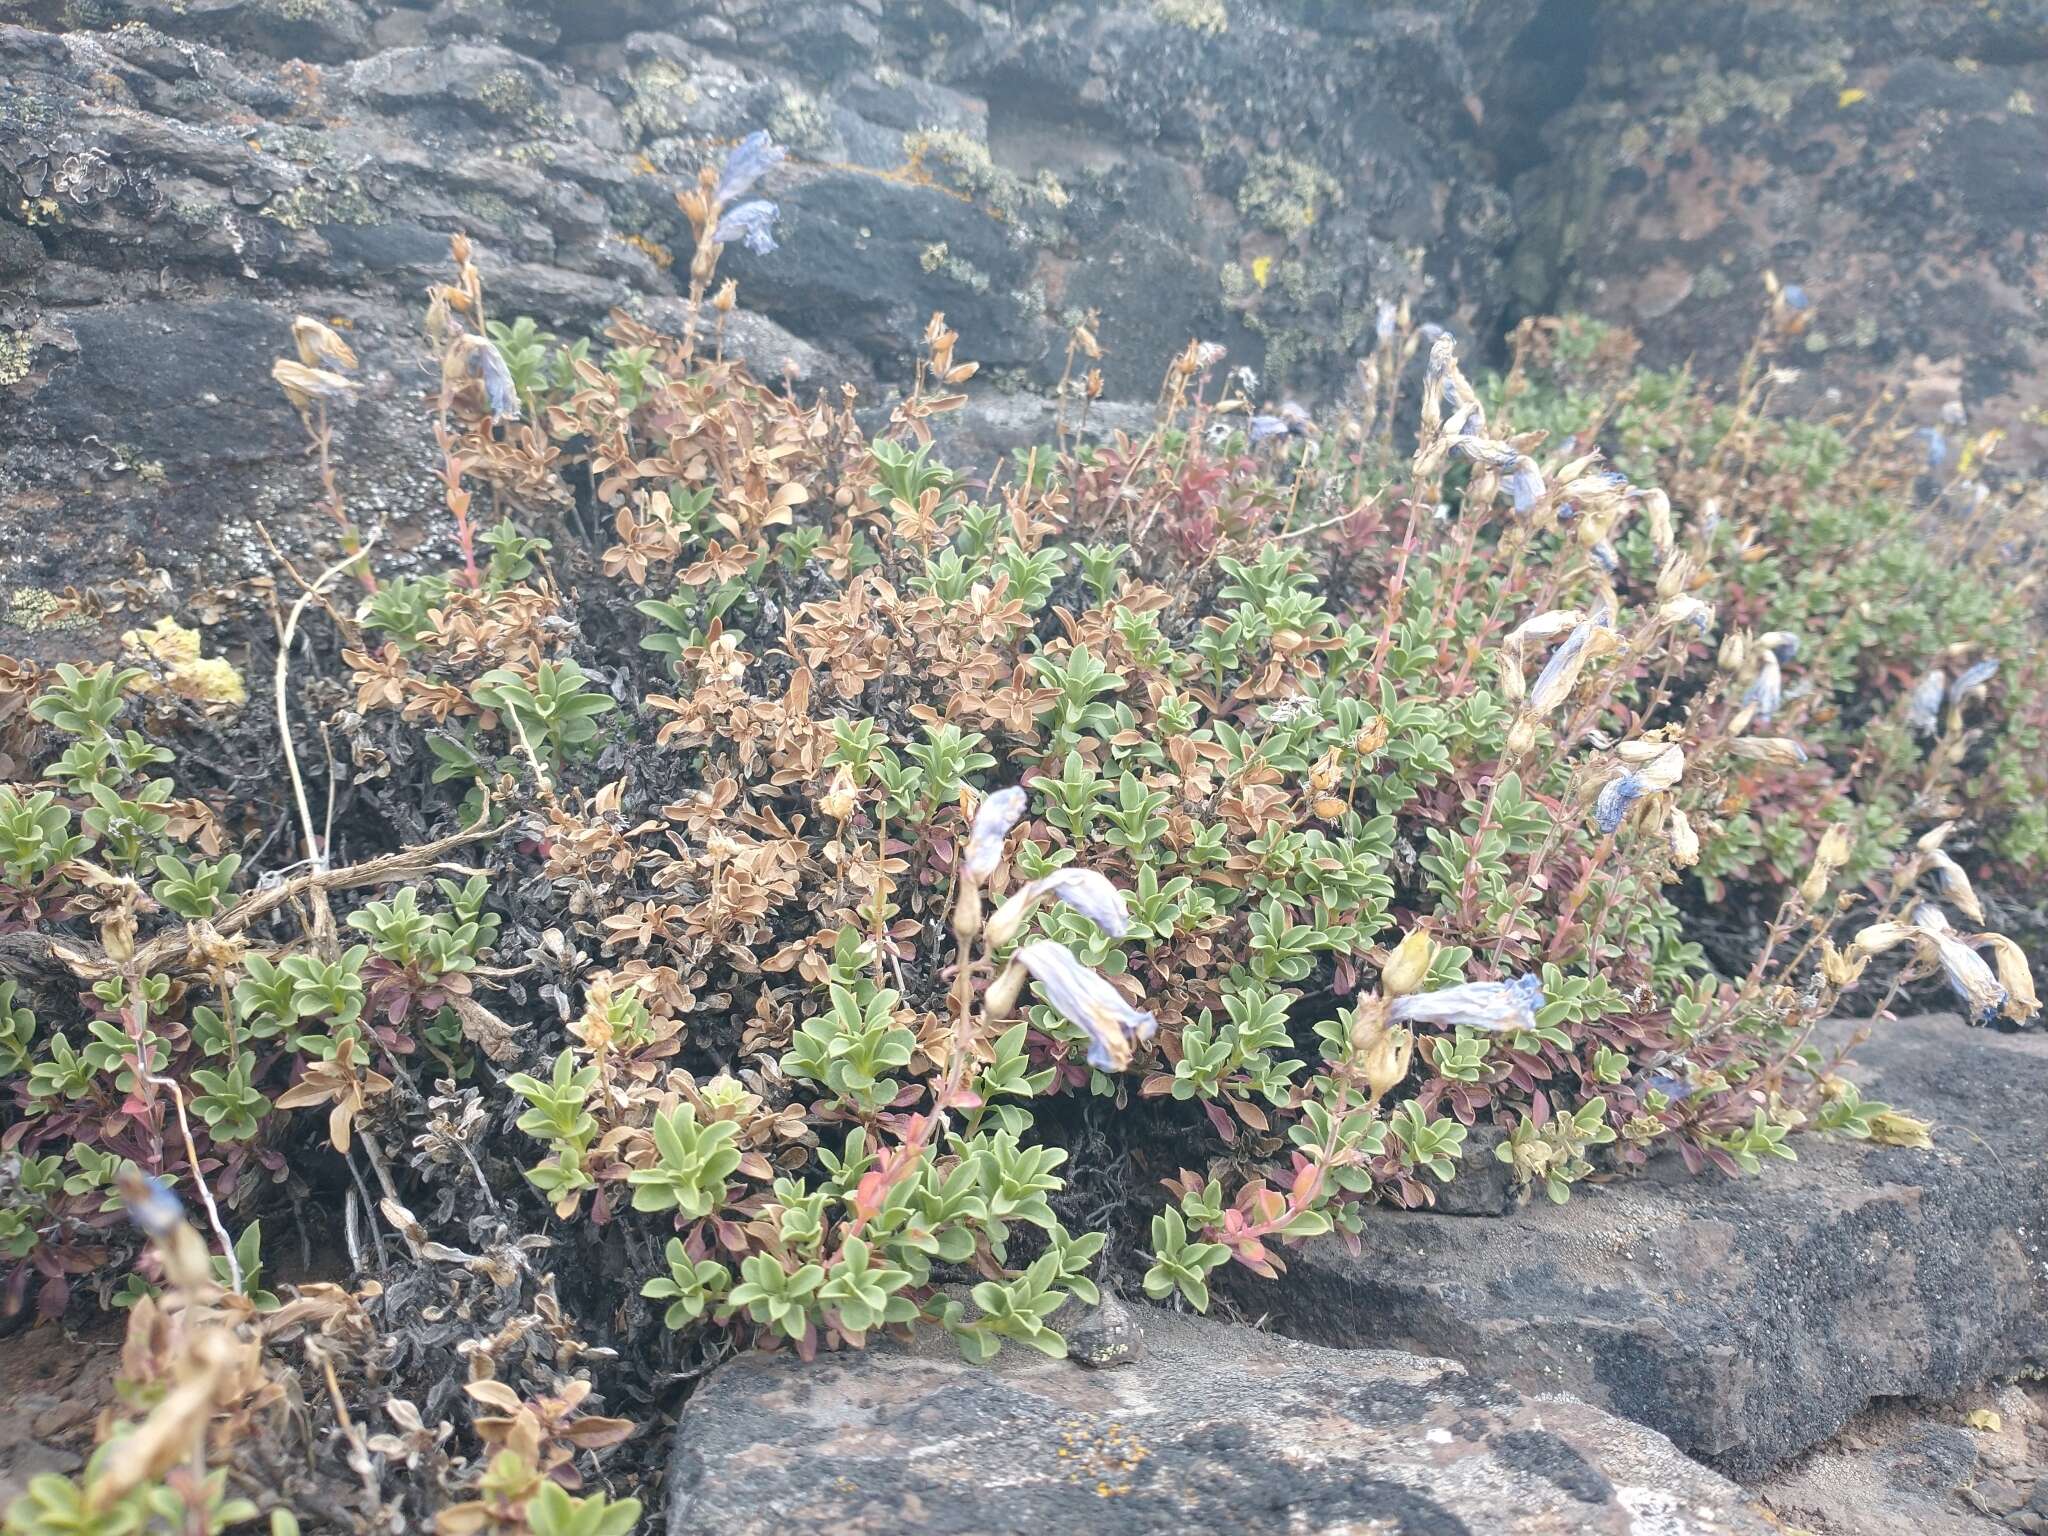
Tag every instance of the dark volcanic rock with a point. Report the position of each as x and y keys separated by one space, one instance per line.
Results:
x=1217 y=1428
x=1749 y=1319
x=1885 y=154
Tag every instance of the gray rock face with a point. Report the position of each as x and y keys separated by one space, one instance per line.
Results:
x=1746 y=1320
x=179 y=177
x=1217 y=1428
x=1884 y=154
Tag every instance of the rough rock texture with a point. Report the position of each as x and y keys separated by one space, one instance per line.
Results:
x=1884 y=154
x=1920 y=1469
x=1747 y=1320
x=1218 y=1428
x=178 y=177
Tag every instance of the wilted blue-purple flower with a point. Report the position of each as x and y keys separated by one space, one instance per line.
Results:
x=1084 y=999
x=1795 y=297
x=155 y=1210
x=1490 y=1005
x=1615 y=797
x=751 y=159
x=488 y=363
x=1971 y=678
x=1265 y=428
x=1968 y=976
x=1768 y=691
x=1525 y=484
x=1606 y=556
x=1085 y=890
x=999 y=812
x=1937 y=446
x=1561 y=671
x=752 y=224
x=1923 y=704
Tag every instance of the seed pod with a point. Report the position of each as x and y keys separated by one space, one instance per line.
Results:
x=1778 y=751
x=1685 y=842
x=1407 y=968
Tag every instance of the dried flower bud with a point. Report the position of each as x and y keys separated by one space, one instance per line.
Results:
x=1676 y=576
x=1778 y=751
x=1881 y=938
x=1000 y=1001
x=1734 y=652
x=1659 y=764
x=1384 y=1061
x=1685 y=842
x=1889 y=1128
x=1521 y=736
x=1829 y=856
x=303 y=385
x=1953 y=884
x=839 y=801
x=1686 y=609
x=319 y=346
x=1657 y=510
x=1842 y=969
x=2015 y=975
x=1407 y=967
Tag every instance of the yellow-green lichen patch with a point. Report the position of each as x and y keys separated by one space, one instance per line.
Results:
x=1286 y=194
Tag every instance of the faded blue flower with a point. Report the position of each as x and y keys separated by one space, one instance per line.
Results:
x=1383 y=320
x=752 y=224
x=1088 y=893
x=1525 y=484
x=1615 y=797
x=1561 y=671
x=1795 y=297
x=1968 y=976
x=999 y=812
x=1923 y=704
x=488 y=363
x=1490 y=1005
x=751 y=159
x=1606 y=556
x=1937 y=446
x=1265 y=428
x=1768 y=691
x=156 y=1211
x=1971 y=678
x=1084 y=999
x=1676 y=1089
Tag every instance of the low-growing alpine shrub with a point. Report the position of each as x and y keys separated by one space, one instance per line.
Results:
x=812 y=892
